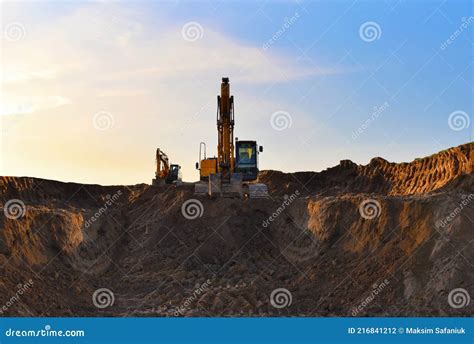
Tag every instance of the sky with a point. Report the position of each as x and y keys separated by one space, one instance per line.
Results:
x=90 y=89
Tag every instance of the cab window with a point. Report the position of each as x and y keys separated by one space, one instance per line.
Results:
x=246 y=155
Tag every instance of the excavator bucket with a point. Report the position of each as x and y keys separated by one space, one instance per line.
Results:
x=201 y=188
x=157 y=181
x=234 y=187
x=214 y=184
x=211 y=187
x=216 y=187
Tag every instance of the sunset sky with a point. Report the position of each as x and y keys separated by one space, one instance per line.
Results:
x=90 y=89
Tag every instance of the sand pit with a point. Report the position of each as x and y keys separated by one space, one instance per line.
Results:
x=383 y=239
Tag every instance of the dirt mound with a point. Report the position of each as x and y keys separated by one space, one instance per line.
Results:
x=383 y=239
x=451 y=168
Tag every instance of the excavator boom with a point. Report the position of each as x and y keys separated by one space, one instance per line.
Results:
x=225 y=129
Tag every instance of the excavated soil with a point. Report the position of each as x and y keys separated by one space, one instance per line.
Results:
x=383 y=239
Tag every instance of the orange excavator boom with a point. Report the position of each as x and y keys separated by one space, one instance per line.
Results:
x=162 y=164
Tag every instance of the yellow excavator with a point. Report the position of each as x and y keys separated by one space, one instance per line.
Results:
x=234 y=171
x=166 y=172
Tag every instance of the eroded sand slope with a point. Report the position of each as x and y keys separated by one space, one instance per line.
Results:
x=381 y=239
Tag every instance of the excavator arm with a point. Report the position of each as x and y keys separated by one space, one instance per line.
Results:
x=162 y=164
x=225 y=129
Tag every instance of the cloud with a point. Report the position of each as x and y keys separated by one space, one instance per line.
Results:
x=12 y=75
x=216 y=54
x=12 y=104
x=111 y=43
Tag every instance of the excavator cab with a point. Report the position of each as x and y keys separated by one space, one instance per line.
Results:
x=246 y=154
x=174 y=174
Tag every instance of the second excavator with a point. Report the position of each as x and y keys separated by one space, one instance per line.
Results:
x=166 y=172
x=234 y=171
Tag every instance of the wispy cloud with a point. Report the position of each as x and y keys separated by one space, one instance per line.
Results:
x=12 y=104
x=114 y=45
